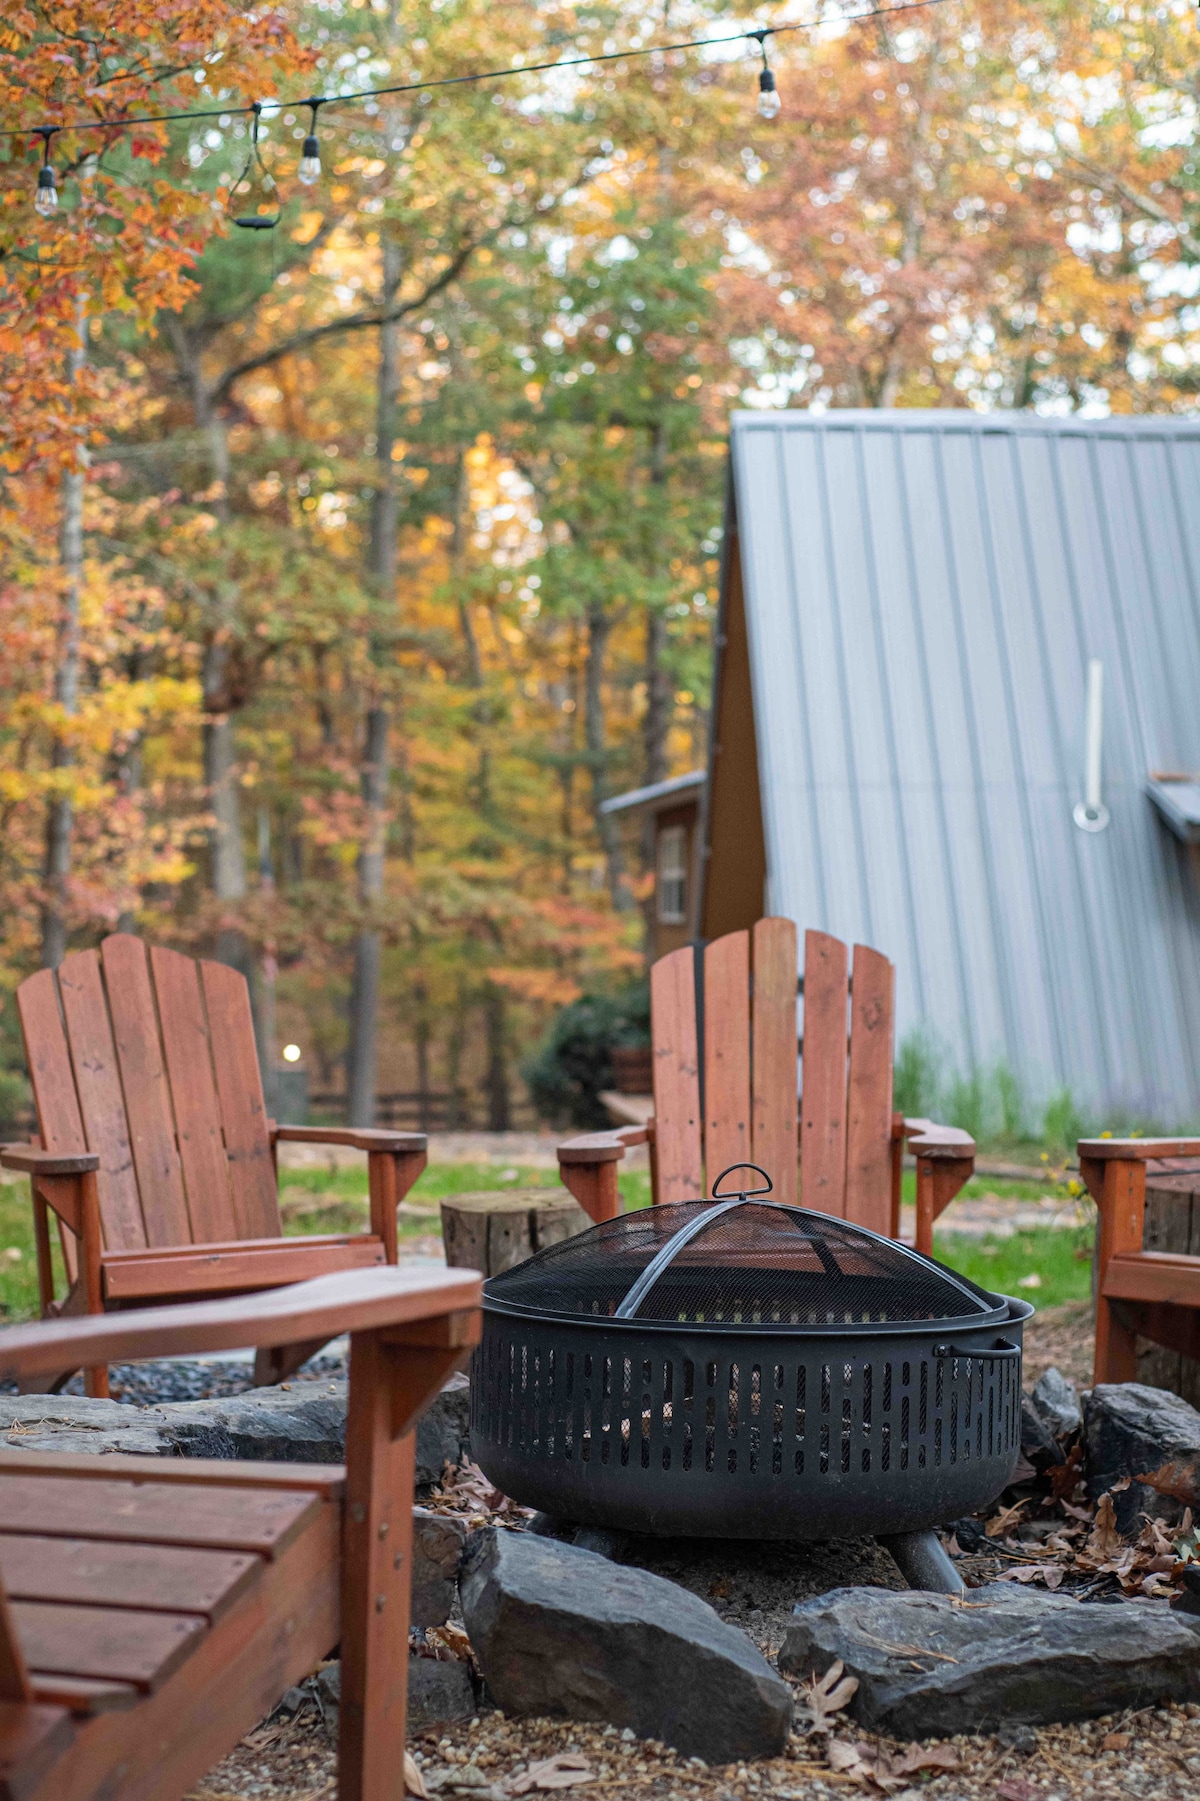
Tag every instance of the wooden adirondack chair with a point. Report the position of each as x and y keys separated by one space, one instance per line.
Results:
x=157 y=1157
x=724 y=1028
x=1139 y=1293
x=152 y=1612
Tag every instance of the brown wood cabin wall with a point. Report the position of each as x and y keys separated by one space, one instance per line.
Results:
x=735 y=866
x=1172 y=1224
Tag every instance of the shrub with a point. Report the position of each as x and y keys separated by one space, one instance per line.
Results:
x=573 y=1063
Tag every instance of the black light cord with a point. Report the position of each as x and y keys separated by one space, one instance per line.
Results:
x=758 y=33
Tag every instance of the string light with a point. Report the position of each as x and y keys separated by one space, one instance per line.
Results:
x=254 y=198
x=768 y=94
x=309 y=171
x=45 y=199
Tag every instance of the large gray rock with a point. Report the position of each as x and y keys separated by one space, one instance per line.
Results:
x=304 y=1422
x=1056 y=1402
x=1135 y=1431
x=1038 y=1444
x=558 y=1630
x=438 y=1691
x=438 y=1544
x=929 y=1665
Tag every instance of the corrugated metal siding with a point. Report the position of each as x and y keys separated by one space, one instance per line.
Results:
x=923 y=592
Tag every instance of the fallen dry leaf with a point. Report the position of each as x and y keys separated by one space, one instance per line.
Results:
x=454 y=1639
x=563 y=1771
x=413 y=1781
x=1178 y=1479
x=1014 y=1789
x=1105 y=1540
x=1049 y=1573
x=828 y=1694
x=999 y=1524
x=865 y=1764
x=1116 y=1741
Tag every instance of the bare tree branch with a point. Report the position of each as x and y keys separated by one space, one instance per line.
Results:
x=1143 y=203
x=301 y=340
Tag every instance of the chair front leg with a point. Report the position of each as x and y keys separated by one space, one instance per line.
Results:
x=1118 y=1187
x=390 y=1175
x=394 y=1374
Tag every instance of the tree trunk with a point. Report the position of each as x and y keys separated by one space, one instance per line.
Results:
x=60 y=814
x=495 y=1014
x=385 y=510
x=368 y=947
x=607 y=829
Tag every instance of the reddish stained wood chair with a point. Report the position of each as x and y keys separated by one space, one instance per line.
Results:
x=850 y=1141
x=1139 y=1293
x=153 y=1611
x=157 y=1157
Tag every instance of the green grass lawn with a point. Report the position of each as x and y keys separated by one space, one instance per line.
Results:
x=321 y=1200
x=1060 y=1257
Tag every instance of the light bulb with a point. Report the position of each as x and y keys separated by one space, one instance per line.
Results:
x=309 y=171
x=45 y=200
x=768 y=95
x=291 y=1053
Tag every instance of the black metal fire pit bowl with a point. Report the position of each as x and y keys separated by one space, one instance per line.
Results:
x=737 y=1368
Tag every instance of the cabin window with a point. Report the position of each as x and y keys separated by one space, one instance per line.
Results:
x=672 y=875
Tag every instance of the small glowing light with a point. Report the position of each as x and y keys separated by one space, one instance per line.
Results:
x=768 y=94
x=291 y=1053
x=45 y=199
x=309 y=171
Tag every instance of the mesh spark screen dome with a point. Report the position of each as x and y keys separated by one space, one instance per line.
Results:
x=738 y=1263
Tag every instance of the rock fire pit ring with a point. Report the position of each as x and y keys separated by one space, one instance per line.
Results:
x=740 y=1368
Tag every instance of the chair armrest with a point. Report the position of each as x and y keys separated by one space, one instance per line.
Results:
x=37 y=1162
x=940 y=1142
x=602 y=1147
x=1135 y=1150
x=355 y=1301
x=359 y=1138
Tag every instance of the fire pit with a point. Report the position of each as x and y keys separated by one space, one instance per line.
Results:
x=745 y=1369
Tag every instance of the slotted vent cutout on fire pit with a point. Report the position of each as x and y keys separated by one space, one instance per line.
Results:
x=741 y=1263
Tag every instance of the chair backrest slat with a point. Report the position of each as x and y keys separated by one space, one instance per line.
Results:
x=49 y=1063
x=869 y=1122
x=147 y=1090
x=101 y=1101
x=240 y=1094
x=194 y=1092
x=750 y=1067
x=823 y=1074
x=774 y=1054
x=676 y=1077
x=727 y=1102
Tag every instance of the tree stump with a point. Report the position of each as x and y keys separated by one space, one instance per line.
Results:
x=494 y=1229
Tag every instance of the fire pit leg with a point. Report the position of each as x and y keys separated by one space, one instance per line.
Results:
x=922 y=1562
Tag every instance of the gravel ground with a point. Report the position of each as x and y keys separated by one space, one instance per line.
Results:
x=1154 y=1753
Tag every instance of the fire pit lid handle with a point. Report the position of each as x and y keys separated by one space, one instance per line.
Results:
x=744 y=1194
